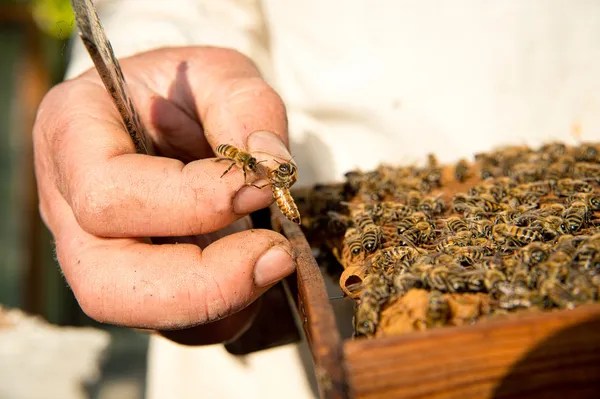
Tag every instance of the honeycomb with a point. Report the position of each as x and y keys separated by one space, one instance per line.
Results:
x=513 y=230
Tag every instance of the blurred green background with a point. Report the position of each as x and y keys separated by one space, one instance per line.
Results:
x=34 y=48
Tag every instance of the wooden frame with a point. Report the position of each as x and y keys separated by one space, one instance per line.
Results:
x=538 y=355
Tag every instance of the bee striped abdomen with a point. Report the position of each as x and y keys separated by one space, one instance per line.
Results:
x=227 y=151
x=286 y=203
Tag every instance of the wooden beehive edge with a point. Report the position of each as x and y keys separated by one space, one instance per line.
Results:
x=316 y=314
x=542 y=354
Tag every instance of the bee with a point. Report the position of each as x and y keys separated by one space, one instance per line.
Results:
x=587 y=171
x=244 y=160
x=512 y=298
x=587 y=153
x=488 y=203
x=398 y=254
x=281 y=179
x=557 y=293
x=456 y=224
x=432 y=174
x=461 y=171
x=441 y=278
x=525 y=172
x=413 y=199
x=390 y=211
x=575 y=216
x=366 y=317
x=581 y=288
x=587 y=256
x=480 y=228
x=371 y=233
x=592 y=200
x=554 y=149
x=438 y=309
x=378 y=285
x=566 y=187
x=493 y=278
x=462 y=238
x=432 y=205
x=468 y=255
x=352 y=240
x=514 y=235
x=533 y=253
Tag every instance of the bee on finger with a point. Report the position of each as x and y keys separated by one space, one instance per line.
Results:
x=242 y=159
x=281 y=180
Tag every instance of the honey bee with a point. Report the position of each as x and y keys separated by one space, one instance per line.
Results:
x=366 y=317
x=515 y=235
x=581 y=288
x=587 y=256
x=557 y=293
x=432 y=174
x=281 y=180
x=352 y=240
x=587 y=171
x=461 y=171
x=549 y=227
x=592 y=200
x=533 y=253
x=432 y=205
x=566 y=187
x=468 y=255
x=480 y=228
x=587 y=153
x=371 y=233
x=377 y=285
x=493 y=278
x=462 y=238
x=390 y=211
x=244 y=160
x=456 y=224
x=413 y=199
x=575 y=216
x=404 y=281
x=438 y=309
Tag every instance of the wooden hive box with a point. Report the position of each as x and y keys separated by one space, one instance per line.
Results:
x=533 y=355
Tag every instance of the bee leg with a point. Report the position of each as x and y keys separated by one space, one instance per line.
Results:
x=260 y=187
x=244 y=169
x=228 y=169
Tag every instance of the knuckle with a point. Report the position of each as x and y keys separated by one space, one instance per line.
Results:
x=92 y=205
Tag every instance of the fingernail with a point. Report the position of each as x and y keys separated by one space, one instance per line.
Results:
x=268 y=143
x=249 y=199
x=272 y=266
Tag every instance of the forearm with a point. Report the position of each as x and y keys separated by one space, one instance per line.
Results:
x=134 y=26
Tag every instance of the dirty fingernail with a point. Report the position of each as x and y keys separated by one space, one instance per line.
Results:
x=269 y=143
x=272 y=266
x=249 y=199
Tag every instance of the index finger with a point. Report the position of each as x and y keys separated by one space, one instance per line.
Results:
x=241 y=109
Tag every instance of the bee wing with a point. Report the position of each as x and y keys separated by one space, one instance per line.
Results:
x=108 y=67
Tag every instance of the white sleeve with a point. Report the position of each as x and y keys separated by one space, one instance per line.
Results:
x=133 y=26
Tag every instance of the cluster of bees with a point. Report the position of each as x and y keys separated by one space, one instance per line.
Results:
x=517 y=225
x=280 y=179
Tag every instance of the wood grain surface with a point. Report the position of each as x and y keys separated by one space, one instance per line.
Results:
x=316 y=313
x=539 y=355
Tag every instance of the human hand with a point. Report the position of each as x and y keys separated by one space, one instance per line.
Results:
x=98 y=197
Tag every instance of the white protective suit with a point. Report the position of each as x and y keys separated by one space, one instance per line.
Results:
x=372 y=81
